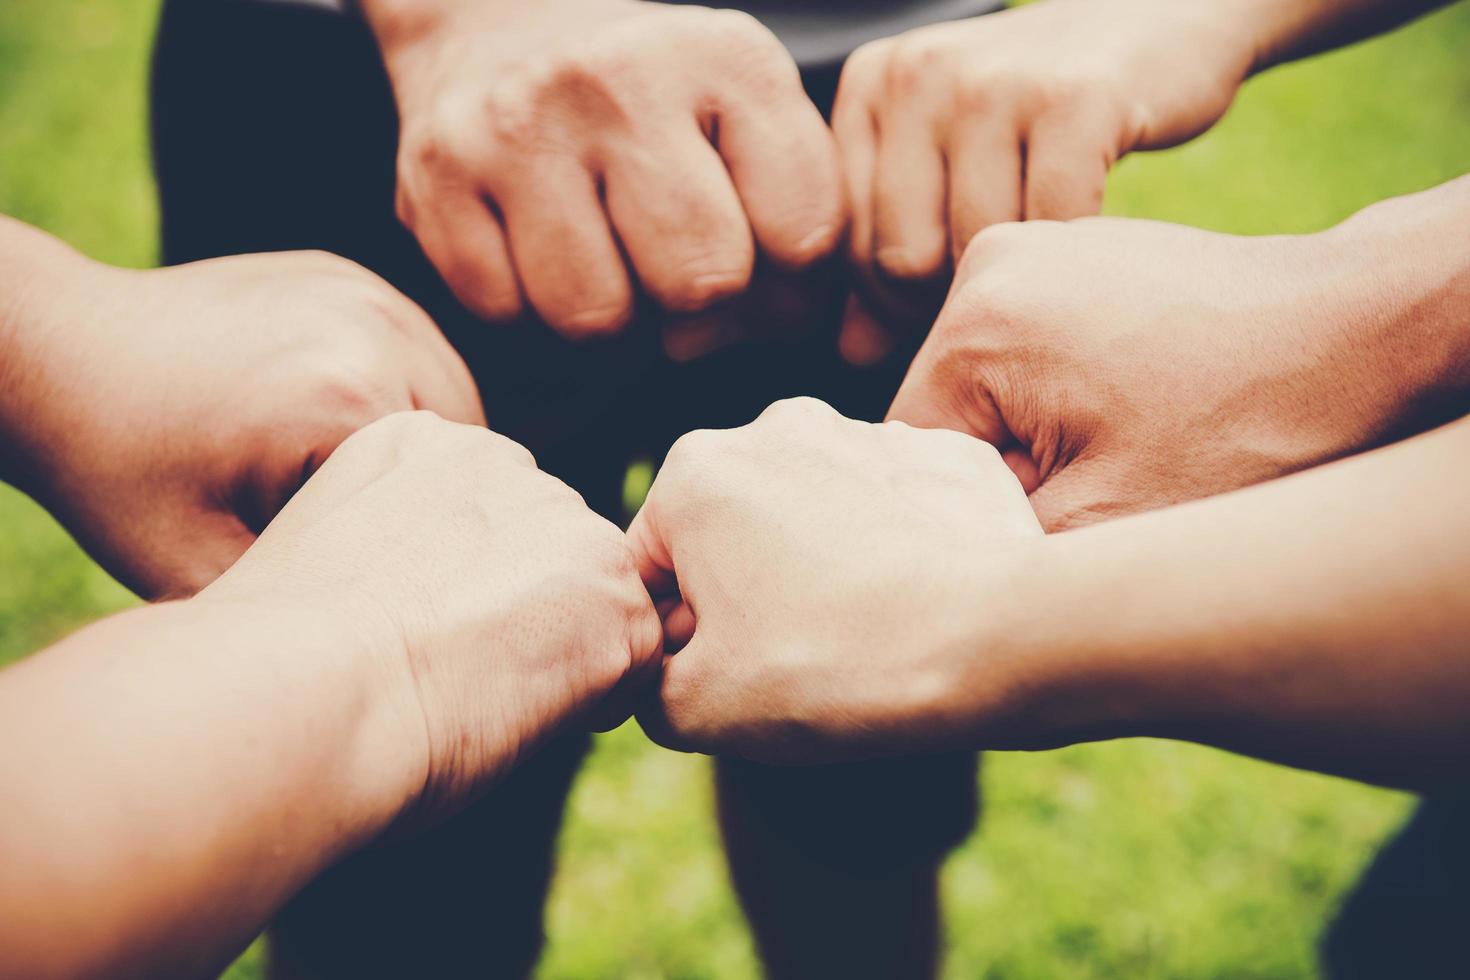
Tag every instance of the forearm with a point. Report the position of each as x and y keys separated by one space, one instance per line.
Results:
x=1397 y=276
x=37 y=270
x=1320 y=620
x=179 y=753
x=1291 y=29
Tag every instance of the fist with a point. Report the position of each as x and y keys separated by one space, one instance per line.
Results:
x=179 y=409
x=820 y=575
x=496 y=597
x=1126 y=365
x=651 y=147
x=948 y=129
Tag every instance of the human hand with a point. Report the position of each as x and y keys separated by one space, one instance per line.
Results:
x=827 y=574
x=950 y=128
x=165 y=416
x=533 y=160
x=1124 y=365
x=499 y=601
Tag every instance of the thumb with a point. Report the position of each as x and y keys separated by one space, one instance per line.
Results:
x=675 y=711
x=1086 y=491
x=937 y=394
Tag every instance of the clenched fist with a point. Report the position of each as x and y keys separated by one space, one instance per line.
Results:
x=948 y=129
x=822 y=575
x=1126 y=365
x=506 y=606
x=563 y=154
x=165 y=416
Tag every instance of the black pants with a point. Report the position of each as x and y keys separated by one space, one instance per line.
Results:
x=274 y=129
x=1405 y=916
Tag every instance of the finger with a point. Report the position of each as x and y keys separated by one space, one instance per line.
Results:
x=690 y=338
x=651 y=553
x=618 y=705
x=1065 y=501
x=212 y=542
x=677 y=214
x=857 y=147
x=439 y=379
x=941 y=392
x=785 y=169
x=984 y=180
x=1066 y=167
x=679 y=625
x=345 y=458
x=1019 y=459
x=464 y=240
x=675 y=715
x=564 y=251
x=864 y=341
x=910 y=231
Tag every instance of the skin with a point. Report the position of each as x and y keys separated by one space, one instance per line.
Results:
x=657 y=149
x=851 y=550
x=934 y=614
x=1127 y=365
x=307 y=702
x=948 y=129
x=165 y=416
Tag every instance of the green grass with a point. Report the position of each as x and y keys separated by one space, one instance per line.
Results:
x=1139 y=860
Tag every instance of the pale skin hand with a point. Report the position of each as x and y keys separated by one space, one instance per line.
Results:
x=1126 y=365
x=417 y=620
x=561 y=155
x=948 y=129
x=165 y=416
x=822 y=567
x=855 y=591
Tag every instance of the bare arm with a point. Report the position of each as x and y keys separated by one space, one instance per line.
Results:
x=1304 y=27
x=1322 y=620
x=174 y=773
x=851 y=590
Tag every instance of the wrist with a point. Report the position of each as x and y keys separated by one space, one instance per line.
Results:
x=1407 y=275
x=38 y=397
x=345 y=672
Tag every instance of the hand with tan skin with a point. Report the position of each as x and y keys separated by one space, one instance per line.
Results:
x=420 y=617
x=808 y=566
x=561 y=156
x=846 y=590
x=165 y=416
x=1127 y=365
x=948 y=129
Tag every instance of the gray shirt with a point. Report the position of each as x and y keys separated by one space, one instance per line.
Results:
x=821 y=33
x=824 y=32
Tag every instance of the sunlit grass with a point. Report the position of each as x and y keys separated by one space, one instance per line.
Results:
x=1142 y=859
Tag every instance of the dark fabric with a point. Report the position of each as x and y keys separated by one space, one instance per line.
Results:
x=819 y=33
x=274 y=129
x=1405 y=915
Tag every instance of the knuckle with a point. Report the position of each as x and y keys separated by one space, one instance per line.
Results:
x=803 y=407
x=497 y=304
x=704 y=282
x=987 y=246
x=911 y=63
x=1060 y=91
x=980 y=92
x=814 y=235
x=739 y=30
x=354 y=396
x=867 y=62
x=595 y=320
x=690 y=450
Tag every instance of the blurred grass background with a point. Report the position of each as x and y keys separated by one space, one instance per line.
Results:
x=1141 y=859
